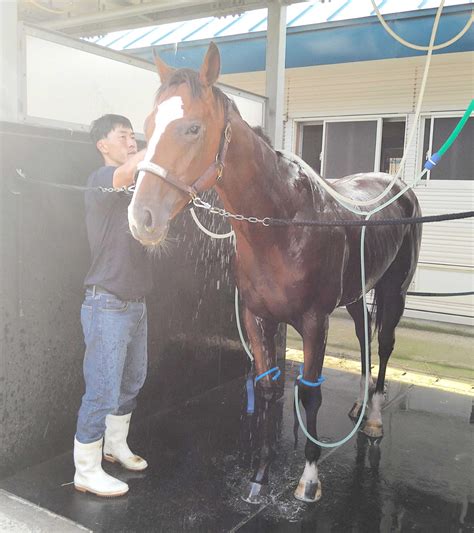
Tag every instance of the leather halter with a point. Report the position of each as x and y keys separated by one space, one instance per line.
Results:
x=212 y=174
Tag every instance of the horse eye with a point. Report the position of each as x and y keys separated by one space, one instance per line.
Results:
x=193 y=130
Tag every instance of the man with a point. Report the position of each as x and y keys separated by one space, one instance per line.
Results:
x=113 y=315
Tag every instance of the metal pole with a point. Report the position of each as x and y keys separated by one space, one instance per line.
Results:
x=275 y=72
x=9 y=60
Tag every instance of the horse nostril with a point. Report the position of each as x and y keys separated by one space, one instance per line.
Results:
x=148 y=221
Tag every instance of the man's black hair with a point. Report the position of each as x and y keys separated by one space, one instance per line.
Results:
x=102 y=126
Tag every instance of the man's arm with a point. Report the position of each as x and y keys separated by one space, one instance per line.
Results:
x=124 y=174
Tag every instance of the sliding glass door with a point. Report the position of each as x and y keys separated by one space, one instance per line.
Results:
x=337 y=148
x=349 y=148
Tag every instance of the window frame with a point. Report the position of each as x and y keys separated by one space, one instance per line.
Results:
x=379 y=118
x=422 y=157
x=300 y=130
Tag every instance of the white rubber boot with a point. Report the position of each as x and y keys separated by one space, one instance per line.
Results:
x=89 y=476
x=115 y=443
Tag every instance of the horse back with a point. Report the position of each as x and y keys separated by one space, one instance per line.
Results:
x=367 y=185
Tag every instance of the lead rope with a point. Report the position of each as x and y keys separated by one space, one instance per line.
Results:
x=208 y=232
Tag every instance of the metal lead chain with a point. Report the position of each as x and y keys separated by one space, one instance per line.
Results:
x=267 y=221
x=223 y=213
x=129 y=190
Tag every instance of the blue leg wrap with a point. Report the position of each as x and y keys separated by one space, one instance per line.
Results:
x=316 y=383
x=250 y=396
x=275 y=370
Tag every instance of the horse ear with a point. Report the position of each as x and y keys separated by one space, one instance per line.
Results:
x=211 y=66
x=164 y=71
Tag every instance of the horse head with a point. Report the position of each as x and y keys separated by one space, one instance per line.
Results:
x=185 y=134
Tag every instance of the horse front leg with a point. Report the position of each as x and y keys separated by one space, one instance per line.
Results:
x=261 y=333
x=314 y=332
x=265 y=420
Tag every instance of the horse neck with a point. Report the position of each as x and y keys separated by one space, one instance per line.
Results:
x=249 y=185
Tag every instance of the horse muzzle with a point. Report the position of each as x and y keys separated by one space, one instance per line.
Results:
x=144 y=228
x=149 y=239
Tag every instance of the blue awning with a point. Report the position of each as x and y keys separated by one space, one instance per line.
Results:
x=301 y=14
x=317 y=33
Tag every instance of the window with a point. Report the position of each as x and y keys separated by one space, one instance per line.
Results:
x=338 y=148
x=312 y=145
x=349 y=148
x=458 y=162
x=393 y=140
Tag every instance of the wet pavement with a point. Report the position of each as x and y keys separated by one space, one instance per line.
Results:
x=202 y=453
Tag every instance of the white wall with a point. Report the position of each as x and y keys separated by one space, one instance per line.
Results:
x=73 y=86
x=69 y=83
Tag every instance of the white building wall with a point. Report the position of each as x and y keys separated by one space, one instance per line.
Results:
x=368 y=86
x=391 y=87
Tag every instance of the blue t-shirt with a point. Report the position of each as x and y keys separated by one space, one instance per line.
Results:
x=120 y=264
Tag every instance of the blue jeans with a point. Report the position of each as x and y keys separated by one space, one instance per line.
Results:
x=115 y=362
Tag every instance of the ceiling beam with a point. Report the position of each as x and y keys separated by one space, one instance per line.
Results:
x=106 y=15
x=151 y=19
x=156 y=12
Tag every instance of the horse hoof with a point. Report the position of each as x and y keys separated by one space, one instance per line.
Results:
x=373 y=429
x=308 y=491
x=255 y=493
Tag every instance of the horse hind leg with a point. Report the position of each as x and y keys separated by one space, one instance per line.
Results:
x=390 y=304
x=356 y=310
x=390 y=294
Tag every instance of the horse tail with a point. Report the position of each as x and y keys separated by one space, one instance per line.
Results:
x=377 y=310
x=390 y=291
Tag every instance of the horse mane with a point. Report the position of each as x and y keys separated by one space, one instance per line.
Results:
x=179 y=76
x=258 y=130
x=192 y=79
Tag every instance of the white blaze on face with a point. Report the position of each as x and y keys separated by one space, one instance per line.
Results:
x=166 y=112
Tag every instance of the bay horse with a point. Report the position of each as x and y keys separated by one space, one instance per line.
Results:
x=196 y=140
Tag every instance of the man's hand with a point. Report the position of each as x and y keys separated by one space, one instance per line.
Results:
x=124 y=174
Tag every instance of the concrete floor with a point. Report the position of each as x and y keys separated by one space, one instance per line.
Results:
x=201 y=453
x=21 y=516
